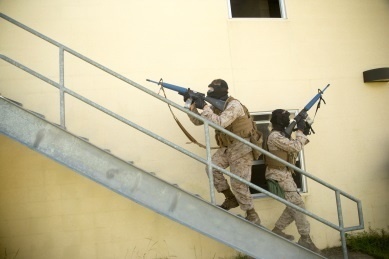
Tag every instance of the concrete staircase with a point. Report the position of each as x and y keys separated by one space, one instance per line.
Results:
x=126 y=179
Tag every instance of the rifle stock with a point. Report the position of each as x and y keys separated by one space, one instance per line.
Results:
x=303 y=113
x=193 y=95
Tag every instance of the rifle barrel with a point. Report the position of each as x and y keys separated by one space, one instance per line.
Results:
x=315 y=99
x=179 y=89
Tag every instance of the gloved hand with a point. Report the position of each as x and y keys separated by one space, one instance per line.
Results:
x=301 y=125
x=186 y=96
x=200 y=103
x=307 y=130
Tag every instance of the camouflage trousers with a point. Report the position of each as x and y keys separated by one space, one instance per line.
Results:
x=289 y=215
x=240 y=167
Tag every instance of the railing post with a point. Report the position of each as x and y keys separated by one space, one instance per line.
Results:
x=341 y=224
x=209 y=162
x=62 y=87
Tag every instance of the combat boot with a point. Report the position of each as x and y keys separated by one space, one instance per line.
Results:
x=306 y=241
x=252 y=216
x=230 y=202
x=282 y=234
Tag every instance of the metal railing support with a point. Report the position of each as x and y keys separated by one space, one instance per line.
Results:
x=62 y=86
x=209 y=162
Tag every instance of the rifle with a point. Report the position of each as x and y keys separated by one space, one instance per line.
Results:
x=303 y=113
x=193 y=95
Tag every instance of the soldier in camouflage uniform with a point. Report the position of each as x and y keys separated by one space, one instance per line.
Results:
x=287 y=149
x=232 y=153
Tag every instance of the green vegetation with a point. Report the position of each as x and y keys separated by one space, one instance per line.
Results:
x=242 y=256
x=373 y=242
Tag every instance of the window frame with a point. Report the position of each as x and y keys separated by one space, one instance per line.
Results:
x=301 y=157
x=281 y=4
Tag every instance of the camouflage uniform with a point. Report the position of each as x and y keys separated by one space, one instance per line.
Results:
x=283 y=175
x=237 y=155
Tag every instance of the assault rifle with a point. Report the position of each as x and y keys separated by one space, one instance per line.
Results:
x=193 y=95
x=303 y=113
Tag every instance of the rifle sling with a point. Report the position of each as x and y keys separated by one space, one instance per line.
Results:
x=318 y=104
x=187 y=134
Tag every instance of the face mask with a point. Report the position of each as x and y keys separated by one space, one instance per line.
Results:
x=280 y=119
x=285 y=119
x=217 y=91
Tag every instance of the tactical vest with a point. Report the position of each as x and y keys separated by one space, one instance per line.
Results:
x=242 y=127
x=290 y=158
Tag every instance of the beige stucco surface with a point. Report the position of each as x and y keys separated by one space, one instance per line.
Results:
x=48 y=211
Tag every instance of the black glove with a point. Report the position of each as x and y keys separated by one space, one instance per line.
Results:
x=186 y=96
x=301 y=125
x=199 y=103
x=307 y=130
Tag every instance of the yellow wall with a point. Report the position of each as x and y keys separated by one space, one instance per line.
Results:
x=268 y=63
x=48 y=211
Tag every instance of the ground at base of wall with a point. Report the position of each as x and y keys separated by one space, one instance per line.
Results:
x=333 y=253
x=337 y=253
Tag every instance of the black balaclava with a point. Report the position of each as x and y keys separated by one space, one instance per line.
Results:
x=218 y=89
x=280 y=119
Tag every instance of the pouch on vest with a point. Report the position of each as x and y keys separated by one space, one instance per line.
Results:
x=275 y=188
x=256 y=139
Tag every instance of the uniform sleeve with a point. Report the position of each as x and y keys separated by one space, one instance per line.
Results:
x=290 y=145
x=193 y=119
x=233 y=110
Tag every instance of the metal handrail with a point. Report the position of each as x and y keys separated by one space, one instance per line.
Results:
x=62 y=88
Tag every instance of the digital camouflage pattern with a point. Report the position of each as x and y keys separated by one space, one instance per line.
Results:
x=283 y=175
x=237 y=156
x=240 y=167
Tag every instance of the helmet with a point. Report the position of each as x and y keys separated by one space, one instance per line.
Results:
x=218 y=89
x=219 y=82
x=280 y=119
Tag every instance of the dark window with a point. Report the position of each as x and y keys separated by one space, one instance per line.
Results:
x=262 y=120
x=257 y=8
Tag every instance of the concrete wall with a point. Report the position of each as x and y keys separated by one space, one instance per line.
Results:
x=48 y=211
x=268 y=63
